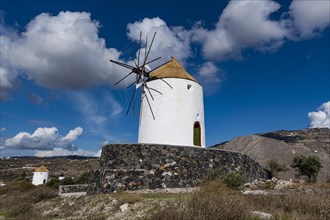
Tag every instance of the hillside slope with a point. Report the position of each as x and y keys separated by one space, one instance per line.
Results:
x=284 y=146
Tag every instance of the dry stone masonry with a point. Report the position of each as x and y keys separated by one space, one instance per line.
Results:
x=149 y=166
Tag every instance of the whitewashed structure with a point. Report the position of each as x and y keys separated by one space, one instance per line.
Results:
x=176 y=112
x=40 y=176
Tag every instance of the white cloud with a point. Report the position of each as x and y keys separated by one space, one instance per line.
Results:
x=7 y=73
x=243 y=24
x=65 y=50
x=208 y=72
x=42 y=139
x=210 y=76
x=2 y=129
x=98 y=154
x=65 y=152
x=169 y=41
x=72 y=135
x=321 y=118
x=310 y=16
x=62 y=51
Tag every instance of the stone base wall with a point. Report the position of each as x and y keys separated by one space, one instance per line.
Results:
x=148 y=166
x=72 y=188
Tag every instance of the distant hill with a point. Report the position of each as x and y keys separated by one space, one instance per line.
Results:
x=284 y=145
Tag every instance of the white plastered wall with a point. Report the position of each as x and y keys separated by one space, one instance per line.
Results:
x=39 y=177
x=176 y=110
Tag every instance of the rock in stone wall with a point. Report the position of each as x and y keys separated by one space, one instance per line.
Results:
x=148 y=166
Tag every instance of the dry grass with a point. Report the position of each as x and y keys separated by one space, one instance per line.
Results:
x=18 y=198
x=215 y=201
x=212 y=201
x=295 y=206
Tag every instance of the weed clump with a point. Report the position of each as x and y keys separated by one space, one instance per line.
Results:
x=233 y=180
x=212 y=200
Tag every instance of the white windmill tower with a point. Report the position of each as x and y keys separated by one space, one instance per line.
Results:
x=171 y=107
x=40 y=175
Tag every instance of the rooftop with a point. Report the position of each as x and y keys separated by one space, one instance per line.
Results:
x=171 y=69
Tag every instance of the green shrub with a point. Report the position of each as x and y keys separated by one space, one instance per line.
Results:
x=233 y=180
x=53 y=183
x=307 y=166
x=84 y=178
x=275 y=167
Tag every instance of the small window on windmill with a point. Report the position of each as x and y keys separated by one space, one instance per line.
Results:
x=189 y=86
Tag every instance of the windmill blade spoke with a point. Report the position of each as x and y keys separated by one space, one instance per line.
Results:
x=155 y=90
x=152 y=41
x=149 y=105
x=122 y=64
x=130 y=85
x=135 y=63
x=138 y=64
x=153 y=60
x=159 y=66
x=149 y=91
x=166 y=83
x=124 y=78
x=145 y=49
x=130 y=103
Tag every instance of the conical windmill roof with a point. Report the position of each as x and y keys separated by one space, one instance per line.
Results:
x=42 y=168
x=171 y=69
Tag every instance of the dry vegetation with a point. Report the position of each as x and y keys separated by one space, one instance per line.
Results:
x=19 y=199
x=213 y=200
x=22 y=168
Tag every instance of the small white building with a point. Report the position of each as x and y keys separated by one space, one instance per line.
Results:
x=40 y=175
x=174 y=111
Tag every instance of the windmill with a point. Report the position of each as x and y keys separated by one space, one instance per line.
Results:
x=171 y=104
x=142 y=71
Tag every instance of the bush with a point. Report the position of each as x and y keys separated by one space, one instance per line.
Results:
x=307 y=166
x=55 y=183
x=233 y=180
x=84 y=178
x=275 y=167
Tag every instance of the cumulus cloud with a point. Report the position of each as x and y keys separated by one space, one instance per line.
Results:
x=310 y=16
x=65 y=152
x=320 y=118
x=72 y=135
x=62 y=51
x=210 y=76
x=242 y=24
x=43 y=138
x=98 y=154
x=169 y=41
x=65 y=50
x=8 y=74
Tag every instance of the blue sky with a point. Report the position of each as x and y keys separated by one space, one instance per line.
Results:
x=264 y=66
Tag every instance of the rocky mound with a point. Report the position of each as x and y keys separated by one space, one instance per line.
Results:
x=284 y=146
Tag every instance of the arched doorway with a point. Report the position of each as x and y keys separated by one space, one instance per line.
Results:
x=197 y=134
